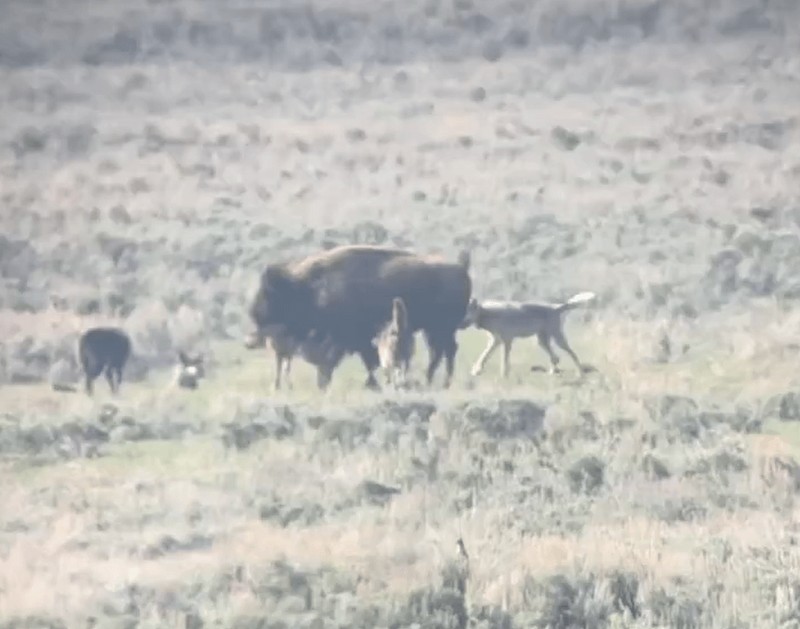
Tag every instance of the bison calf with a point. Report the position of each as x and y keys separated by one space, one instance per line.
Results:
x=316 y=349
x=283 y=345
x=395 y=345
x=103 y=349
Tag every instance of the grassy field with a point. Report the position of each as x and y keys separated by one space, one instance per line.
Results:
x=156 y=155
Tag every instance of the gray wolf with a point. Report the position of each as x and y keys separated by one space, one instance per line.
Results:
x=505 y=321
x=103 y=350
x=346 y=295
x=395 y=344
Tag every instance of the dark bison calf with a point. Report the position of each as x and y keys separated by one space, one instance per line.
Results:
x=346 y=294
x=103 y=350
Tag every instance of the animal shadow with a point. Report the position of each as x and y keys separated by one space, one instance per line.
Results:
x=586 y=369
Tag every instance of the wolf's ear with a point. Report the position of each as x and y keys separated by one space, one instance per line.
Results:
x=183 y=358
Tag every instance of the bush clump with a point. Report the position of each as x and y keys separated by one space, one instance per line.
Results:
x=586 y=475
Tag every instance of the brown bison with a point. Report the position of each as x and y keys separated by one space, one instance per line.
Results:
x=346 y=295
x=103 y=349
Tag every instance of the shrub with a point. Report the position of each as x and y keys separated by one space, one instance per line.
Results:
x=586 y=475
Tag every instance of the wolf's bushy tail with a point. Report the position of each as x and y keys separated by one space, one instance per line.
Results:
x=577 y=300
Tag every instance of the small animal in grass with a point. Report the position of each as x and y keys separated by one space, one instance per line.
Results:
x=463 y=566
x=505 y=321
x=189 y=371
x=395 y=345
x=103 y=350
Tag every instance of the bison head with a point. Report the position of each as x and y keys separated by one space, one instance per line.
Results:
x=282 y=300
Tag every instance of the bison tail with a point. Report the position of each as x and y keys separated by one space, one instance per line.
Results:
x=464 y=258
x=400 y=314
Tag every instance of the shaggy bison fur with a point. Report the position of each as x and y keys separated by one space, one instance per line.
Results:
x=346 y=294
x=103 y=349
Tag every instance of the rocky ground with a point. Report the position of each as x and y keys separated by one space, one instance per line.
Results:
x=154 y=158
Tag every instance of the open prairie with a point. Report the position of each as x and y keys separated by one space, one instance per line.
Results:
x=155 y=156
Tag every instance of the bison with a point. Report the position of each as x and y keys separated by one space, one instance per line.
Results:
x=103 y=349
x=346 y=295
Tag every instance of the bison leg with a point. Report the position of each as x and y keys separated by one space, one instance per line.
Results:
x=92 y=367
x=436 y=351
x=328 y=366
x=109 y=374
x=441 y=344
x=433 y=365
x=324 y=375
x=118 y=372
x=400 y=377
x=450 y=349
x=278 y=370
x=506 y=357
x=91 y=371
x=114 y=377
x=369 y=356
